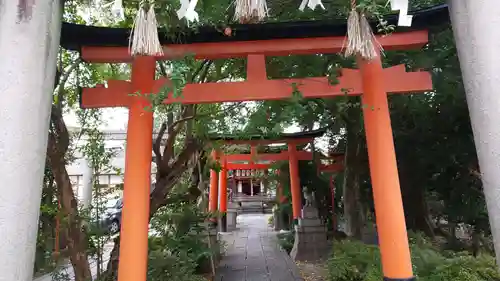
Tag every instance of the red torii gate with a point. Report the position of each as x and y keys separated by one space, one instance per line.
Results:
x=372 y=82
x=226 y=159
x=292 y=156
x=337 y=166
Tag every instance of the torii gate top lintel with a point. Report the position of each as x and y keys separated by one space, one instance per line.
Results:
x=254 y=140
x=290 y=139
x=272 y=47
x=257 y=86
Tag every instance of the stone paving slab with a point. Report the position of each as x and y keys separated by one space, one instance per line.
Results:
x=253 y=253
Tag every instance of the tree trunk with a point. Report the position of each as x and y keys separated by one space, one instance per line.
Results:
x=47 y=224
x=476 y=242
x=111 y=273
x=197 y=177
x=353 y=207
x=58 y=142
x=452 y=238
x=415 y=204
x=77 y=238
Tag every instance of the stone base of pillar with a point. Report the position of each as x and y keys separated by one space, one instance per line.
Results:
x=310 y=237
x=223 y=223
x=277 y=220
x=232 y=214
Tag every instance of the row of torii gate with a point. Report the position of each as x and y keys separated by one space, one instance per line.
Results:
x=29 y=40
x=218 y=196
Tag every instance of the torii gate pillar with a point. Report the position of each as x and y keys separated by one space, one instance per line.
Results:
x=223 y=197
x=213 y=195
x=476 y=26
x=137 y=182
x=29 y=40
x=294 y=181
x=389 y=212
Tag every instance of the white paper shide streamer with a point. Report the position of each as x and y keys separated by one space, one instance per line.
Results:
x=311 y=4
x=402 y=7
x=99 y=9
x=95 y=3
x=250 y=10
x=187 y=10
x=117 y=9
x=144 y=39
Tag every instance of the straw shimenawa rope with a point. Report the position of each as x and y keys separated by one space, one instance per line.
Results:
x=144 y=38
x=360 y=38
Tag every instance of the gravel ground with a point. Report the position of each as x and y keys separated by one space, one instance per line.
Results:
x=312 y=271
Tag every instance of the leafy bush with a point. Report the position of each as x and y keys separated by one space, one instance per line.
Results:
x=165 y=265
x=270 y=220
x=355 y=261
x=178 y=250
x=286 y=240
x=284 y=211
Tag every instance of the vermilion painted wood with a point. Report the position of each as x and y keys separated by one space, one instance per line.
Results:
x=223 y=188
x=257 y=86
x=295 y=189
x=389 y=211
x=396 y=80
x=331 y=167
x=282 y=156
x=241 y=166
x=296 y=141
x=272 y=157
x=137 y=180
x=213 y=196
x=275 y=47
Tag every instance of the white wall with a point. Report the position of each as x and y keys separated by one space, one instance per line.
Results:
x=115 y=141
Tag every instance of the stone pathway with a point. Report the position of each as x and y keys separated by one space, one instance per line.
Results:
x=253 y=253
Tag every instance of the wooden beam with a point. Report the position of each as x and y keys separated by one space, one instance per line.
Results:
x=296 y=141
x=241 y=166
x=397 y=80
x=275 y=47
x=272 y=157
x=115 y=94
x=332 y=168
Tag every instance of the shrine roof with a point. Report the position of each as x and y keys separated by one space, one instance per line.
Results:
x=284 y=136
x=74 y=36
x=261 y=149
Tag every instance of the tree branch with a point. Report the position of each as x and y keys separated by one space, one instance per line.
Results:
x=63 y=79
x=168 y=151
x=170 y=175
x=157 y=143
x=205 y=65
x=60 y=129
